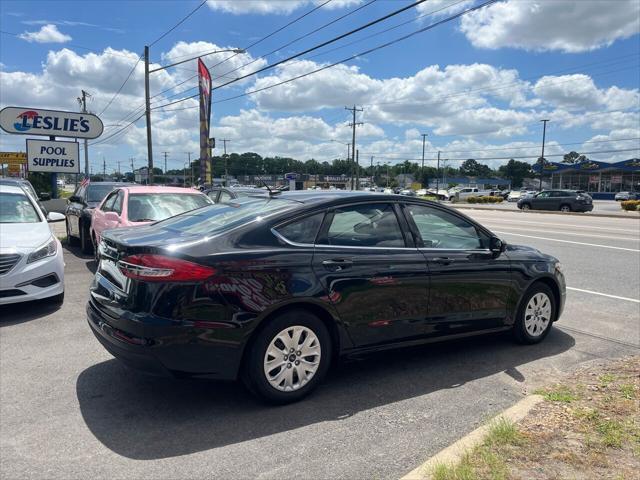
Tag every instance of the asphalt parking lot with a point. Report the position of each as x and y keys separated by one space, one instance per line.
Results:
x=69 y=410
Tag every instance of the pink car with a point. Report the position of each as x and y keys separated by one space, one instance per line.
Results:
x=138 y=205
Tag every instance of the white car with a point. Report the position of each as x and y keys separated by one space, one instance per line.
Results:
x=514 y=196
x=31 y=262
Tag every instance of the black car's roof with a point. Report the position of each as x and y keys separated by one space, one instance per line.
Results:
x=311 y=197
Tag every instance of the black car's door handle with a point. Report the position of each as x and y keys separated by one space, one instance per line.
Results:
x=337 y=264
x=443 y=260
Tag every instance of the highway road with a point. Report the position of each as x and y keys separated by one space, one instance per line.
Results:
x=69 y=410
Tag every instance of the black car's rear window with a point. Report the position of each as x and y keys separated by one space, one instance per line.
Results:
x=222 y=217
x=97 y=192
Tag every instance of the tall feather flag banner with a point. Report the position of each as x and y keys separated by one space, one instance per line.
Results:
x=204 y=80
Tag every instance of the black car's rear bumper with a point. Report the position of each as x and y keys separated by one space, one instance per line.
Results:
x=181 y=353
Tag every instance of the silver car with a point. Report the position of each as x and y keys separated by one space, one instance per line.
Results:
x=622 y=196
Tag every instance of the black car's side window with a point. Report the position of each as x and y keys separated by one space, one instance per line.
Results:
x=302 y=231
x=373 y=225
x=440 y=229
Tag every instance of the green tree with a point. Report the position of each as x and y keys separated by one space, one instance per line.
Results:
x=515 y=171
x=472 y=168
x=574 y=157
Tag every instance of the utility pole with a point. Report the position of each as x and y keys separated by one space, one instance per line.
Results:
x=118 y=169
x=147 y=101
x=387 y=175
x=83 y=103
x=104 y=167
x=224 y=144
x=166 y=154
x=424 y=138
x=353 y=125
x=132 y=165
x=371 y=168
x=190 y=167
x=357 y=169
x=544 y=134
x=438 y=177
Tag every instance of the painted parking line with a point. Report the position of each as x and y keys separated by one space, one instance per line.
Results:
x=634 y=300
x=591 y=235
x=570 y=225
x=570 y=241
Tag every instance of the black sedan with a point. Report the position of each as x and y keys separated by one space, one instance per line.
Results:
x=80 y=208
x=273 y=289
x=562 y=200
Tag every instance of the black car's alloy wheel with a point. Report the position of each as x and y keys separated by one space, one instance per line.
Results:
x=288 y=358
x=526 y=206
x=535 y=315
x=565 y=208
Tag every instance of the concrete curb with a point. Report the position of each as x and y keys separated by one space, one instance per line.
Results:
x=453 y=453
x=630 y=215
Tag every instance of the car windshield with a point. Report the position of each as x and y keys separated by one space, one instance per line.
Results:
x=17 y=208
x=222 y=217
x=97 y=192
x=145 y=207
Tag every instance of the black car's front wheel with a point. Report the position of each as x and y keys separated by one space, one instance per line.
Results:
x=535 y=315
x=289 y=357
x=525 y=207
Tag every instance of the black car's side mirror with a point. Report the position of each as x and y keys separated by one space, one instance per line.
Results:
x=496 y=245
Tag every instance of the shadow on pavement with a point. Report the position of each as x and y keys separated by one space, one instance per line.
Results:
x=145 y=418
x=16 y=313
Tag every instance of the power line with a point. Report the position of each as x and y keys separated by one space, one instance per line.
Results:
x=75 y=46
x=330 y=41
x=366 y=52
x=245 y=48
x=308 y=34
x=104 y=139
x=177 y=24
x=121 y=86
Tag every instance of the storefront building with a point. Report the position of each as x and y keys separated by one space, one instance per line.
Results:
x=601 y=179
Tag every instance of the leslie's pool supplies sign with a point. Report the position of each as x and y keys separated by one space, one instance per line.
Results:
x=53 y=156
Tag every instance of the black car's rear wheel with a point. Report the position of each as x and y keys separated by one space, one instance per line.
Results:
x=289 y=357
x=535 y=314
x=565 y=208
x=526 y=206
x=85 y=240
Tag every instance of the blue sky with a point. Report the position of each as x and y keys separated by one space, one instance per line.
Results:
x=477 y=85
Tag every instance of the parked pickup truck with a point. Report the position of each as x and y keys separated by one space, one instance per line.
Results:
x=464 y=193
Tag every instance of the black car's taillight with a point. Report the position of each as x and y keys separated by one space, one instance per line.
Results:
x=160 y=268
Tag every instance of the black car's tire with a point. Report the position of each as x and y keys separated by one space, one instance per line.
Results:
x=536 y=314
x=565 y=208
x=292 y=378
x=96 y=253
x=85 y=241
x=71 y=240
x=525 y=207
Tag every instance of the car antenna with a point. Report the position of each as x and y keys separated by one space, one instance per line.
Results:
x=271 y=192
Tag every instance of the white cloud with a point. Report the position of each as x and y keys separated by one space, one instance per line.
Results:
x=47 y=34
x=564 y=25
x=580 y=92
x=284 y=7
x=443 y=7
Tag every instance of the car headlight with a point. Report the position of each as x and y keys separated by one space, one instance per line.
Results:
x=47 y=250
